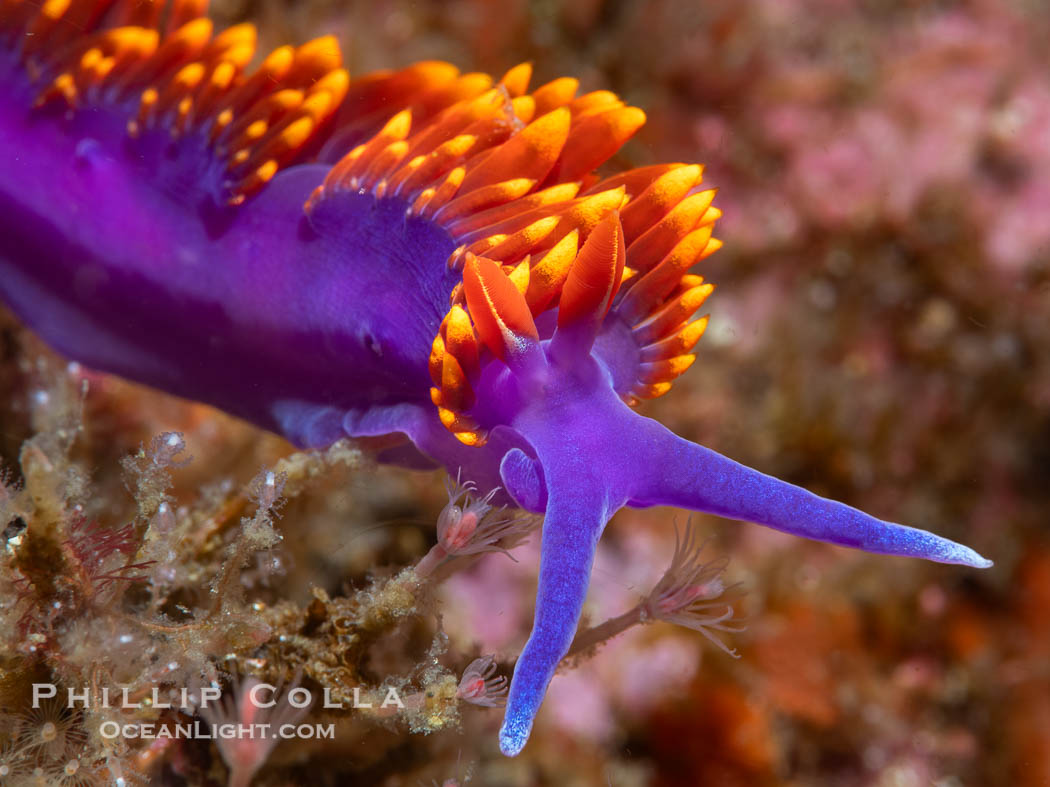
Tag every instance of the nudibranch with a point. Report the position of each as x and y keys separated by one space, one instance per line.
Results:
x=421 y=254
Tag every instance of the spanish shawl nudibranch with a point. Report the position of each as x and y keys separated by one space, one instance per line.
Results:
x=418 y=253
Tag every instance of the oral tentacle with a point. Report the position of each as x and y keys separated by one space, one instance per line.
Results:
x=676 y=472
x=578 y=507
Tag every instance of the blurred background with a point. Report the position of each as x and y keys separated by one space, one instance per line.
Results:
x=880 y=334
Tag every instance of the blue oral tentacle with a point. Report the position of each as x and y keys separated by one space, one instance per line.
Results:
x=577 y=510
x=676 y=472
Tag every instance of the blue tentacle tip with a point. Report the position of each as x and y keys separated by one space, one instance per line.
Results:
x=514 y=734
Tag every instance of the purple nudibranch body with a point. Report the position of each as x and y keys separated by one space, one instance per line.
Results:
x=419 y=253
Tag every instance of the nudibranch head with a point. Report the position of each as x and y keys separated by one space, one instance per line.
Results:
x=421 y=252
x=576 y=301
x=510 y=176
